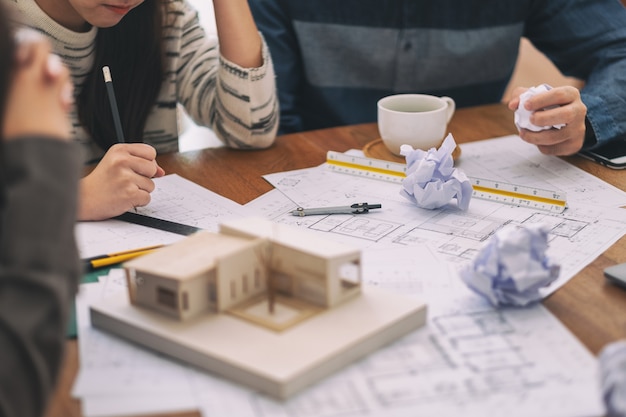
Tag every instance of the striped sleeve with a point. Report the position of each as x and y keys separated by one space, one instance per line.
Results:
x=239 y=104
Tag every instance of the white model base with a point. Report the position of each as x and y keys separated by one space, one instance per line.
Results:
x=279 y=364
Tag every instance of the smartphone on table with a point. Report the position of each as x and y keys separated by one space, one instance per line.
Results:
x=612 y=155
x=616 y=274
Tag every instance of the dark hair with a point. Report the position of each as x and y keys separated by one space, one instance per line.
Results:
x=134 y=52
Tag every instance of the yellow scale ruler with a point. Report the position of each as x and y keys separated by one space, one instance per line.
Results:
x=501 y=192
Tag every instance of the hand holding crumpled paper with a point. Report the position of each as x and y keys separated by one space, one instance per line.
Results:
x=522 y=116
x=512 y=267
x=431 y=180
x=612 y=360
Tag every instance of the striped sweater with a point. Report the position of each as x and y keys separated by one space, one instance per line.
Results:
x=239 y=104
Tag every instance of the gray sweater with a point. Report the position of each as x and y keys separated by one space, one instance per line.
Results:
x=39 y=269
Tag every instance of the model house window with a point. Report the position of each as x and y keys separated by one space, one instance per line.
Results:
x=185 y=300
x=166 y=297
x=212 y=292
x=233 y=290
x=257 y=278
x=350 y=274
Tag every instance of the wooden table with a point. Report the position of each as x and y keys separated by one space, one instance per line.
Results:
x=592 y=309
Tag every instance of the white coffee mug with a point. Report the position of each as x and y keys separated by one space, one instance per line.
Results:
x=419 y=120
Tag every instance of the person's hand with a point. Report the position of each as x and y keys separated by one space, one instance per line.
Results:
x=120 y=182
x=569 y=110
x=40 y=96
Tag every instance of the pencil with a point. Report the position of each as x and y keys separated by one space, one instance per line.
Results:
x=108 y=81
x=109 y=259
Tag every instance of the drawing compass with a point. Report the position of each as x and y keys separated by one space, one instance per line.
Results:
x=356 y=208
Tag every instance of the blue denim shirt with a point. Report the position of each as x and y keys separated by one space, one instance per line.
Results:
x=335 y=58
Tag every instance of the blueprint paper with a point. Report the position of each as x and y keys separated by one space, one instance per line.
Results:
x=510 y=159
x=470 y=359
x=431 y=180
x=576 y=237
x=175 y=199
x=522 y=116
x=119 y=378
x=512 y=267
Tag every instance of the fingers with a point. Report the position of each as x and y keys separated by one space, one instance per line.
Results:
x=569 y=114
x=103 y=196
x=57 y=73
x=120 y=182
x=566 y=141
x=560 y=106
x=139 y=157
x=557 y=96
x=28 y=41
x=160 y=172
x=40 y=96
x=514 y=101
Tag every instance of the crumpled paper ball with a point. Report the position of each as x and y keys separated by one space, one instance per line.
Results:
x=612 y=361
x=522 y=116
x=431 y=180
x=512 y=267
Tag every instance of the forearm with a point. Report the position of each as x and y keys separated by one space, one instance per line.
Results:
x=238 y=103
x=239 y=39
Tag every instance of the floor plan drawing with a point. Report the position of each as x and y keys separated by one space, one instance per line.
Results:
x=459 y=224
x=576 y=236
x=470 y=359
x=175 y=199
x=356 y=226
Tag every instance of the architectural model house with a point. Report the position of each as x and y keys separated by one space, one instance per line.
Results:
x=270 y=306
x=271 y=274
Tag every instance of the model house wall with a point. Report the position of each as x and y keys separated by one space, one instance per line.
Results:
x=201 y=273
x=308 y=267
x=217 y=272
x=240 y=275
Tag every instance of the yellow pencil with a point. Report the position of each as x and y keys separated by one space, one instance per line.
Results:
x=109 y=259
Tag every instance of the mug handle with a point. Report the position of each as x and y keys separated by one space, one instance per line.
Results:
x=451 y=106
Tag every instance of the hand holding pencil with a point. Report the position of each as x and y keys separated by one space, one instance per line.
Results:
x=123 y=178
x=121 y=181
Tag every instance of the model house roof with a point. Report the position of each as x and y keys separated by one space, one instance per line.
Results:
x=288 y=236
x=190 y=257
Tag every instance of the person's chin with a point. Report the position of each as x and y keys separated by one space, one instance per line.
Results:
x=107 y=22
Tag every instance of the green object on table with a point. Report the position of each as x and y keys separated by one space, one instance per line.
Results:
x=88 y=277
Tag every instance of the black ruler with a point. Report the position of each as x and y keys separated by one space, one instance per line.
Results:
x=153 y=222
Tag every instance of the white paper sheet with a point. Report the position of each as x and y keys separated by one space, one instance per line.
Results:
x=175 y=199
x=119 y=378
x=470 y=359
x=589 y=226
